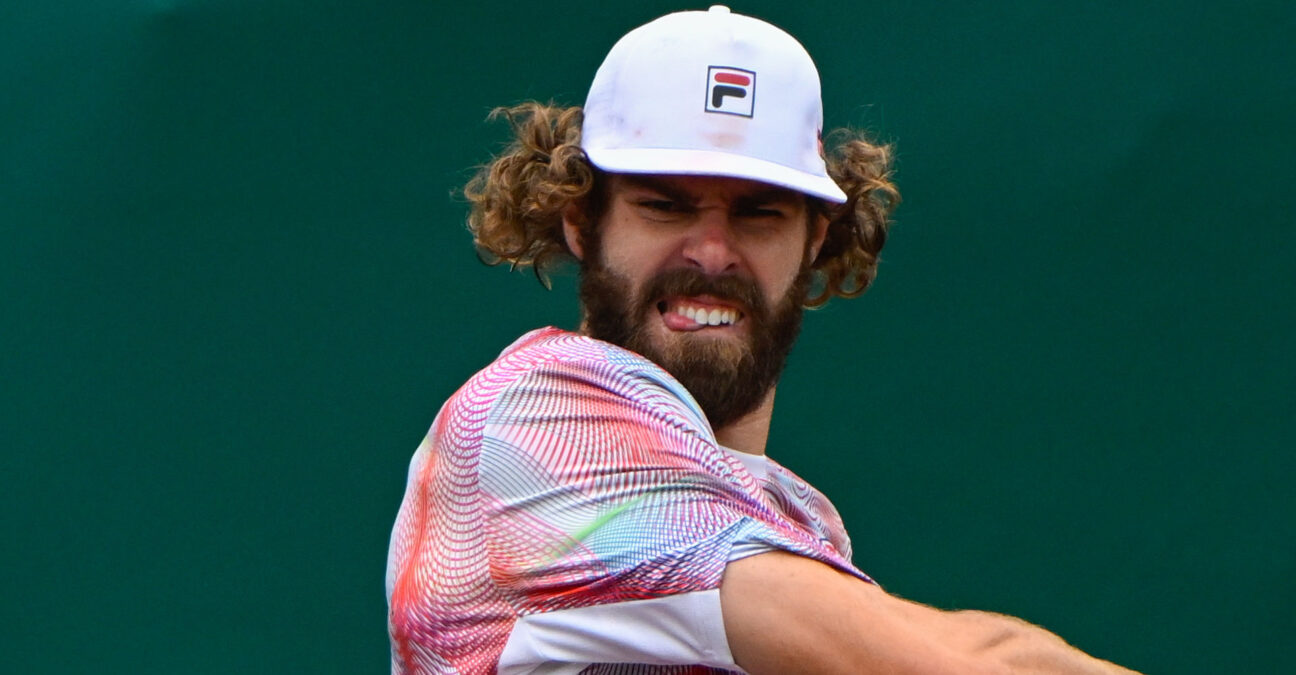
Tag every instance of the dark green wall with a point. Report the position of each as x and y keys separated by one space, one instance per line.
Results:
x=235 y=289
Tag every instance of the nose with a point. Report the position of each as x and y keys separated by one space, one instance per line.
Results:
x=710 y=246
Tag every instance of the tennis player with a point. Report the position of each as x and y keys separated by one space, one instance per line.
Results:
x=600 y=501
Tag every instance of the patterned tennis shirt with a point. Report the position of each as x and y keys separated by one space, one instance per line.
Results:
x=570 y=511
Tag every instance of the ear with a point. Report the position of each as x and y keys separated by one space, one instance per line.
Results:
x=571 y=218
x=818 y=231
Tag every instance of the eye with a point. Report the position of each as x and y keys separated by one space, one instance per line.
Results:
x=663 y=209
x=662 y=205
x=762 y=211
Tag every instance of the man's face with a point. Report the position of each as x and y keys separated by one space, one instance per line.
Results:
x=704 y=276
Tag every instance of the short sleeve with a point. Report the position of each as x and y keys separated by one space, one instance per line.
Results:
x=603 y=483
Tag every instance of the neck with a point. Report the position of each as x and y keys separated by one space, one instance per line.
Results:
x=750 y=432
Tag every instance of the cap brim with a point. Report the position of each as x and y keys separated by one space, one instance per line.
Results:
x=684 y=162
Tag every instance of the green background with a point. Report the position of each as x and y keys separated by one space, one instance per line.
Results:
x=236 y=287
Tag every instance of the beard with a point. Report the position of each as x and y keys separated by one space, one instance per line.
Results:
x=728 y=378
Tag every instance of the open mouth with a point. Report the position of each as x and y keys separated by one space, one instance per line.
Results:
x=698 y=313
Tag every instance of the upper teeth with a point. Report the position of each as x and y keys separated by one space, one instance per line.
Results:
x=713 y=317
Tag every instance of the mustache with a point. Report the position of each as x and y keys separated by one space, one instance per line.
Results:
x=684 y=281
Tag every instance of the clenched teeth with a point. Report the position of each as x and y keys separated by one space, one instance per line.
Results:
x=714 y=317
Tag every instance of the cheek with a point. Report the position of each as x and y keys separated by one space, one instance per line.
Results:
x=634 y=255
x=778 y=288
x=633 y=264
x=780 y=269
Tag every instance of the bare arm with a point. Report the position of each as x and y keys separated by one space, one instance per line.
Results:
x=788 y=614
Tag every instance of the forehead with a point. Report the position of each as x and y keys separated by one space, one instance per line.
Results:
x=697 y=187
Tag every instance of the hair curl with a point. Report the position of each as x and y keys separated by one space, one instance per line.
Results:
x=518 y=199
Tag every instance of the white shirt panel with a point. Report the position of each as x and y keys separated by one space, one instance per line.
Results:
x=677 y=629
x=756 y=465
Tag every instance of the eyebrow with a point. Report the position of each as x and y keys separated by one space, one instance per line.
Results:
x=658 y=185
x=770 y=194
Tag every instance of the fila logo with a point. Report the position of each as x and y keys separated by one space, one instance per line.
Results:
x=731 y=91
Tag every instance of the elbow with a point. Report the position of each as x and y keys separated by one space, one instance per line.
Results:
x=1006 y=644
x=1002 y=635
x=999 y=642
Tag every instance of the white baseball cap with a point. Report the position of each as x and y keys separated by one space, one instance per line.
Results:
x=710 y=93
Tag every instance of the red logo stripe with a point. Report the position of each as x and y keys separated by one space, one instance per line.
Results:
x=732 y=78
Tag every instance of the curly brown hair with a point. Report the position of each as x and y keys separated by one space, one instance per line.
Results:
x=518 y=200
